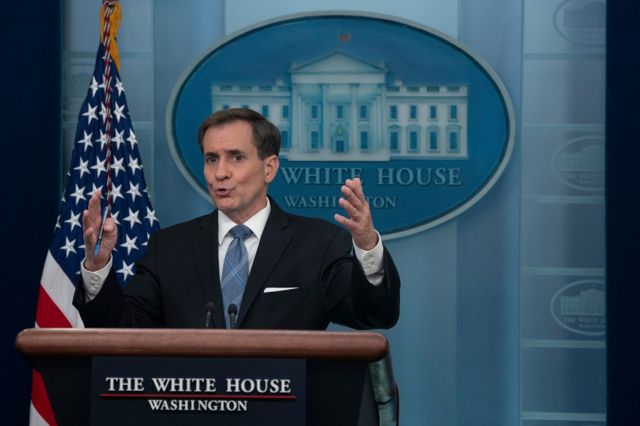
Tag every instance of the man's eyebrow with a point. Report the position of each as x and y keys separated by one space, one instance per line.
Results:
x=229 y=152
x=235 y=153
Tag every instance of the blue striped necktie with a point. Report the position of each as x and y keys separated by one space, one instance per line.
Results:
x=235 y=270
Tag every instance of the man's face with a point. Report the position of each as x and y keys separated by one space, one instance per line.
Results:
x=236 y=177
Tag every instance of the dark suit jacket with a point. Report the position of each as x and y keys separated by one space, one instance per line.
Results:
x=179 y=275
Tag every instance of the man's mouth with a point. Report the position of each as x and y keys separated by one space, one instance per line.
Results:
x=221 y=192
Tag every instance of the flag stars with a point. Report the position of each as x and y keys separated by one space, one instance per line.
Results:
x=86 y=140
x=78 y=194
x=119 y=112
x=82 y=168
x=103 y=112
x=132 y=139
x=84 y=178
x=94 y=86
x=119 y=86
x=130 y=244
x=118 y=138
x=68 y=247
x=74 y=220
x=102 y=140
x=116 y=192
x=114 y=216
x=133 y=165
x=132 y=218
x=134 y=192
x=99 y=166
x=126 y=270
x=95 y=188
x=117 y=165
x=105 y=82
x=90 y=113
x=151 y=216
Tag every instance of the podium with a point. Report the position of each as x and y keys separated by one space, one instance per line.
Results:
x=347 y=377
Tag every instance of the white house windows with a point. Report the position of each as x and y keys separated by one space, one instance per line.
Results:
x=364 y=139
x=432 y=139
x=393 y=112
x=357 y=121
x=394 y=139
x=413 y=112
x=453 y=142
x=413 y=139
x=364 y=112
x=314 y=140
x=340 y=139
x=453 y=112
x=433 y=112
x=453 y=137
x=285 y=140
x=314 y=112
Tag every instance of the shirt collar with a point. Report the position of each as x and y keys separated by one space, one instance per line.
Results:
x=256 y=223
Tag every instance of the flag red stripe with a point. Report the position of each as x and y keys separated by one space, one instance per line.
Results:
x=48 y=314
x=40 y=399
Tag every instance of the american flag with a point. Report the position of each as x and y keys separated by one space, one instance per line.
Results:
x=105 y=158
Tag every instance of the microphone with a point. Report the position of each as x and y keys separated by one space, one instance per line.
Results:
x=232 y=310
x=208 y=314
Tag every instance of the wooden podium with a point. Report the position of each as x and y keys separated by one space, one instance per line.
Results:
x=349 y=380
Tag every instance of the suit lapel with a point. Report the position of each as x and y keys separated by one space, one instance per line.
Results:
x=205 y=249
x=275 y=238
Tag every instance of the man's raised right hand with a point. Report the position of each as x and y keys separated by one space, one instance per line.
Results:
x=91 y=222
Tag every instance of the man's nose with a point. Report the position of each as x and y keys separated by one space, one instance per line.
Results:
x=222 y=171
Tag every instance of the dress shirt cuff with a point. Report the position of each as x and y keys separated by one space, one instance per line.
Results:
x=371 y=261
x=93 y=280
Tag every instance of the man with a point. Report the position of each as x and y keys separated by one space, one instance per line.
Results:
x=289 y=272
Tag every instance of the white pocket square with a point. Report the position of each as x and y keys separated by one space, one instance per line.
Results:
x=276 y=289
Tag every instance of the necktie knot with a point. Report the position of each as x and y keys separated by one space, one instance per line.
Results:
x=240 y=231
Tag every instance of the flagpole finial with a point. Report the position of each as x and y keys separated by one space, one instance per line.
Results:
x=110 y=17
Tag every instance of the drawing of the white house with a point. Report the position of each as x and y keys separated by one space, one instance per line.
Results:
x=342 y=108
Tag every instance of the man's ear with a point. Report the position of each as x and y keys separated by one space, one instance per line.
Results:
x=271 y=165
